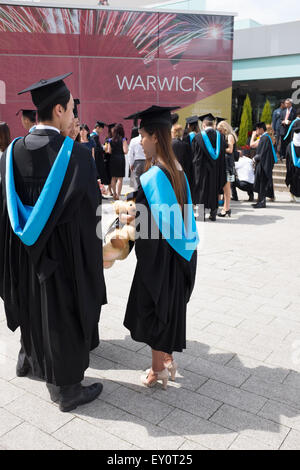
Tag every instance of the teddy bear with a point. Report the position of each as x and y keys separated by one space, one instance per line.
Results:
x=120 y=237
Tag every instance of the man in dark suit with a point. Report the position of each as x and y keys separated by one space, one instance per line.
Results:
x=288 y=114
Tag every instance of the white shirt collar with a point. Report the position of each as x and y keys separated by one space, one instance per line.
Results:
x=43 y=127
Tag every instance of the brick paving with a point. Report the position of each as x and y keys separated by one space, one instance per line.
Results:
x=239 y=379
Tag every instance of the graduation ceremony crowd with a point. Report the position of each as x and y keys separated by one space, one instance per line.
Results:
x=53 y=180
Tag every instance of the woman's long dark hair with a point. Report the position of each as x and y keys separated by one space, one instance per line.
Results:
x=118 y=133
x=4 y=136
x=165 y=152
x=85 y=127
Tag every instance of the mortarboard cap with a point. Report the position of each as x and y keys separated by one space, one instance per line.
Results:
x=174 y=118
x=220 y=119
x=192 y=120
x=154 y=116
x=208 y=116
x=29 y=113
x=47 y=91
x=75 y=110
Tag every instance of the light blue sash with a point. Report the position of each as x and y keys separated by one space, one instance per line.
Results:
x=28 y=222
x=192 y=136
x=167 y=212
x=290 y=128
x=212 y=152
x=296 y=160
x=273 y=150
x=93 y=134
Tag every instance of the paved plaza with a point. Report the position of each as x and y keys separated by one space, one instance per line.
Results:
x=239 y=378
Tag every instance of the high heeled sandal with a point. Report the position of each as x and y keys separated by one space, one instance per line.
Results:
x=172 y=368
x=161 y=375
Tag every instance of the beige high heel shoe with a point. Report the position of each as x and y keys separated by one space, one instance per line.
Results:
x=172 y=368
x=162 y=375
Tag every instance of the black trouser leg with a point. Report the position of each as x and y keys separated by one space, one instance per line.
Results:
x=262 y=196
x=234 y=191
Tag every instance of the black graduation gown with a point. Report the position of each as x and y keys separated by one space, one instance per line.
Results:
x=183 y=153
x=99 y=160
x=263 y=183
x=292 y=172
x=209 y=174
x=54 y=289
x=162 y=285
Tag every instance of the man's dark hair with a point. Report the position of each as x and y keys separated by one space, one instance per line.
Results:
x=31 y=115
x=261 y=125
x=46 y=113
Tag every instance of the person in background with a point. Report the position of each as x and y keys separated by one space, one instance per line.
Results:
x=288 y=114
x=28 y=118
x=137 y=160
x=230 y=139
x=264 y=160
x=86 y=140
x=107 y=156
x=5 y=138
x=182 y=152
x=293 y=164
x=276 y=122
x=99 y=152
x=117 y=148
x=191 y=129
x=245 y=178
x=208 y=148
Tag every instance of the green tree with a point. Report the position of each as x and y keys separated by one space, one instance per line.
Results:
x=267 y=113
x=246 y=124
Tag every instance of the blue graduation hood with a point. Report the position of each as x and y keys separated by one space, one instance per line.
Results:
x=183 y=238
x=28 y=222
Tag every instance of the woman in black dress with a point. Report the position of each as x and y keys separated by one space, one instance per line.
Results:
x=86 y=140
x=117 y=148
x=164 y=276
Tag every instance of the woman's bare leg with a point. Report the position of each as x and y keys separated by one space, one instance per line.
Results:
x=119 y=186
x=227 y=196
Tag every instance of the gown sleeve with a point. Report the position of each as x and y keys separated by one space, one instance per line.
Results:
x=288 y=177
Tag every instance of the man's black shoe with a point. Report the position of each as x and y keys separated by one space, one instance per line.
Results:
x=259 y=205
x=251 y=199
x=72 y=396
x=213 y=215
x=23 y=366
x=54 y=392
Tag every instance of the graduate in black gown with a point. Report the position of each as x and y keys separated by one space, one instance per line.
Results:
x=209 y=166
x=166 y=267
x=99 y=153
x=293 y=163
x=51 y=269
x=264 y=159
x=183 y=153
x=28 y=118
